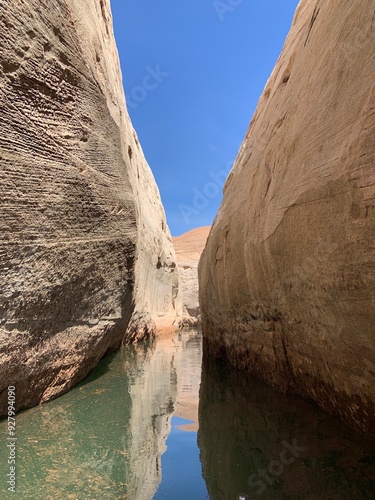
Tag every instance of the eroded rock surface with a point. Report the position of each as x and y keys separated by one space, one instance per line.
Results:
x=189 y=247
x=86 y=258
x=288 y=275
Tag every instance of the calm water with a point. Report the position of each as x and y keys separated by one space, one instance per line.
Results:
x=133 y=431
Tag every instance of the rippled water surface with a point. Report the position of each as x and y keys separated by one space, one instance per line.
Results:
x=132 y=430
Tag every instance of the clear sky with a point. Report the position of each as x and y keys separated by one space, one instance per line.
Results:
x=193 y=73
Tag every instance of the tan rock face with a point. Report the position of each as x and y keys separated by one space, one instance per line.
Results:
x=86 y=258
x=189 y=247
x=288 y=275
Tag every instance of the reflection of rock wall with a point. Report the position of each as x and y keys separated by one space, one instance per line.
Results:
x=188 y=362
x=152 y=388
x=163 y=381
x=258 y=443
x=288 y=273
x=105 y=438
x=189 y=247
x=84 y=243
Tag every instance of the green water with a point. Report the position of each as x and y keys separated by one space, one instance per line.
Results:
x=130 y=431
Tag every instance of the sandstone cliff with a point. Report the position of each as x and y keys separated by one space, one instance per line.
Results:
x=188 y=248
x=288 y=275
x=87 y=260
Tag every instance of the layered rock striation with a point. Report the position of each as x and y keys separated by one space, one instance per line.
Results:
x=288 y=275
x=189 y=247
x=86 y=257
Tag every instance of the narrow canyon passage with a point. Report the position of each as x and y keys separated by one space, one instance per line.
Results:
x=279 y=276
x=151 y=423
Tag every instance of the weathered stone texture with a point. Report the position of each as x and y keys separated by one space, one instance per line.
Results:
x=189 y=247
x=82 y=226
x=288 y=274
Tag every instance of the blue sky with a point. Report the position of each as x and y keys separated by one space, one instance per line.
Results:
x=193 y=73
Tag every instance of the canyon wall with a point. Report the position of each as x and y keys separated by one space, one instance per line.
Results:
x=287 y=278
x=189 y=247
x=87 y=260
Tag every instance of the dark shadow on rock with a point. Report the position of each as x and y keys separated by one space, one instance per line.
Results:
x=258 y=443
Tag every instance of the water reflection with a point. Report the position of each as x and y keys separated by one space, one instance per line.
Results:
x=130 y=432
x=164 y=382
x=105 y=438
x=257 y=443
